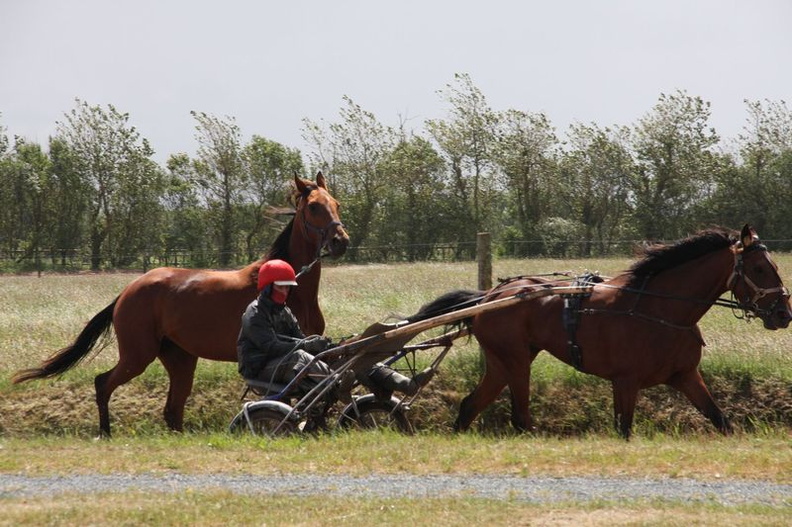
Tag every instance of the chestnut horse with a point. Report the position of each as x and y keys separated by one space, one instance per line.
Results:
x=639 y=329
x=180 y=315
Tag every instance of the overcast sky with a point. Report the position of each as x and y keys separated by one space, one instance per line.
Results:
x=270 y=64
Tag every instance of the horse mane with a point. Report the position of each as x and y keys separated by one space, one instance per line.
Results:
x=660 y=257
x=280 y=247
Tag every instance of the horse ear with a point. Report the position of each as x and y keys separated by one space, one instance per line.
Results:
x=748 y=236
x=300 y=184
x=320 y=180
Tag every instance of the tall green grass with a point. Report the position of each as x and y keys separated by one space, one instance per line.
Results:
x=749 y=369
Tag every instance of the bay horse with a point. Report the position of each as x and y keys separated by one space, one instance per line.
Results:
x=638 y=329
x=179 y=315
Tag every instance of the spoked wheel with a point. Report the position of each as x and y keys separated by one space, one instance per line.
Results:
x=270 y=422
x=369 y=413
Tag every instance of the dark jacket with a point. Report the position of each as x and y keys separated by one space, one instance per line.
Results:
x=269 y=331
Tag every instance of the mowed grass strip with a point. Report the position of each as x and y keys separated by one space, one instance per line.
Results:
x=765 y=457
x=199 y=508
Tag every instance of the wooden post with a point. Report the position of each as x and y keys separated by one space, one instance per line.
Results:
x=484 y=259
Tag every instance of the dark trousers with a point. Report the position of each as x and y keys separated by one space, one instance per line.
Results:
x=285 y=368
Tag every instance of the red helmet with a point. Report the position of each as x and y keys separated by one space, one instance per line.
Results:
x=276 y=272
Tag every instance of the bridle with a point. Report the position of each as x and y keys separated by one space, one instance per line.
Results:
x=750 y=306
x=322 y=232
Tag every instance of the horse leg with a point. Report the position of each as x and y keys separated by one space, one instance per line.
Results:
x=490 y=386
x=692 y=385
x=102 y=401
x=180 y=366
x=137 y=348
x=521 y=418
x=106 y=383
x=625 y=395
x=520 y=388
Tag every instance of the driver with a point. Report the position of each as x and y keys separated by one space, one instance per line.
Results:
x=271 y=346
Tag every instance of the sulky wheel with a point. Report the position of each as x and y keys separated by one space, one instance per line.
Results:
x=368 y=413
x=270 y=422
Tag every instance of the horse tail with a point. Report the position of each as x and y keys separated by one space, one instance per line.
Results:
x=70 y=356
x=448 y=303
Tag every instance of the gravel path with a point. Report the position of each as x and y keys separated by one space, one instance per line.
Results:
x=533 y=489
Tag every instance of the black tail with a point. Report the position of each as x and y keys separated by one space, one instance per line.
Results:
x=447 y=303
x=69 y=356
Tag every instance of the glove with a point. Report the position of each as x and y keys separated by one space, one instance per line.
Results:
x=314 y=344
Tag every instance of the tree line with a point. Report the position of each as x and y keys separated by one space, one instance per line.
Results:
x=96 y=194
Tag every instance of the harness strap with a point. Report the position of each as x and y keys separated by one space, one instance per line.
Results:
x=570 y=316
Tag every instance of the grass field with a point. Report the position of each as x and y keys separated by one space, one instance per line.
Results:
x=749 y=369
x=47 y=427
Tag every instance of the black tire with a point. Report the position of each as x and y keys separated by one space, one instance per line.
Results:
x=265 y=422
x=368 y=413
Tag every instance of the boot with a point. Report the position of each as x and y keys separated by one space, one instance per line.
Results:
x=317 y=416
x=422 y=378
x=316 y=421
x=343 y=388
x=387 y=380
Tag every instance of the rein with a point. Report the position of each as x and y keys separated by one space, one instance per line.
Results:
x=307 y=268
x=722 y=302
x=749 y=307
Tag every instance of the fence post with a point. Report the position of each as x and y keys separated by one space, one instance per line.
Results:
x=484 y=260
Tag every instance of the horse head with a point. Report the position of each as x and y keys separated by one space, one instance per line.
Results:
x=317 y=211
x=756 y=284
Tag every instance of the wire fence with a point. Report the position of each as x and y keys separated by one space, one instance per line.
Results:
x=73 y=260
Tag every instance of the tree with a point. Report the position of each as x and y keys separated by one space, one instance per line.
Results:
x=71 y=194
x=675 y=165
x=416 y=212
x=3 y=139
x=138 y=211
x=768 y=130
x=8 y=216
x=765 y=172
x=595 y=174
x=187 y=220
x=524 y=151
x=35 y=201
x=219 y=176
x=9 y=222
x=466 y=141
x=23 y=182
x=114 y=162
x=268 y=166
x=353 y=151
